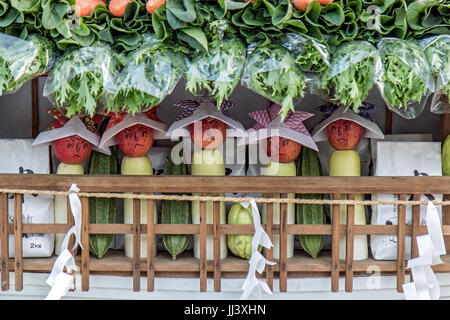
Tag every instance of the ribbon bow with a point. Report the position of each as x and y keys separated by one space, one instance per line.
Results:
x=116 y=117
x=190 y=106
x=294 y=120
x=329 y=109
x=60 y=120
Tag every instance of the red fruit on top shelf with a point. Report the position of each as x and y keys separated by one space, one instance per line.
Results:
x=344 y=134
x=282 y=149
x=72 y=150
x=135 y=141
x=210 y=134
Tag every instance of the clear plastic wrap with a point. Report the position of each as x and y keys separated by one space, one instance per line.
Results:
x=404 y=76
x=437 y=51
x=21 y=60
x=271 y=71
x=309 y=54
x=80 y=79
x=218 y=71
x=351 y=74
x=149 y=75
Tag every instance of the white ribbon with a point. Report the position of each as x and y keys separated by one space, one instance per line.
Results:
x=430 y=247
x=257 y=261
x=59 y=280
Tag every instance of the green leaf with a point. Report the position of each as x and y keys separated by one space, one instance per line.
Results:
x=184 y=10
x=195 y=37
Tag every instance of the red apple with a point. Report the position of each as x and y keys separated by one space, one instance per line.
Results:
x=85 y=7
x=152 y=5
x=282 y=149
x=344 y=134
x=135 y=141
x=209 y=134
x=72 y=150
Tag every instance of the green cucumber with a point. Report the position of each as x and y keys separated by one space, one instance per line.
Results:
x=175 y=212
x=102 y=210
x=309 y=166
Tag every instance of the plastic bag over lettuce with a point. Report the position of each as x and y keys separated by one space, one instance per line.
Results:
x=218 y=71
x=271 y=71
x=437 y=51
x=21 y=60
x=149 y=75
x=80 y=79
x=404 y=76
x=351 y=74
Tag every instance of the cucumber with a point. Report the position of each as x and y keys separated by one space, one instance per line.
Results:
x=175 y=212
x=102 y=210
x=309 y=165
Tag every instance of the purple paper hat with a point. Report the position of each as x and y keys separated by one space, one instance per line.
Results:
x=195 y=110
x=268 y=124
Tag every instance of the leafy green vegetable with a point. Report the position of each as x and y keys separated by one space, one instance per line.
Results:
x=218 y=71
x=271 y=71
x=310 y=55
x=405 y=76
x=438 y=55
x=22 y=60
x=150 y=73
x=351 y=73
x=80 y=79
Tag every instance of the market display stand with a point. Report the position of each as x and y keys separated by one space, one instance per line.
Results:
x=162 y=265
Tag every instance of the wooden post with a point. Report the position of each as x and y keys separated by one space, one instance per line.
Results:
x=150 y=245
x=4 y=240
x=269 y=252
x=349 y=246
x=388 y=121
x=415 y=229
x=18 y=259
x=217 y=260
x=85 y=244
x=401 y=237
x=136 y=244
x=283 y=244
x=203 y=243
x=335 y=238
x=444 y=132
x=34 y=107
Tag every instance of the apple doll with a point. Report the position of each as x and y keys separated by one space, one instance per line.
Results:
x=207 y=127
x=134 y=135
x=72 y=140
x=344 y=129
x=283 y=141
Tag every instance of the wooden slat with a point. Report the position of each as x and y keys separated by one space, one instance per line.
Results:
x=388 y=121
x=150 y=245
x=335 y=246
x=4 y=240
x=283 y=245
x=34 y=107
x=217 y=258
x=136 y=244
x=237 y=184
x=85 y=244
x=18 y=254
x=70 y=222
x=415 y=230
x=269 y=252
x=349 y=246
x=203 y=260
x=401 y=244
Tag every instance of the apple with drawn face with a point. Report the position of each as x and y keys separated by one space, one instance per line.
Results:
x=282 y=149
x=208 y=133
x=135 y=141
x=72 y=149
x=344 y=134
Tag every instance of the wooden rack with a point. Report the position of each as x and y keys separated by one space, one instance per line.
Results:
x=162 y=265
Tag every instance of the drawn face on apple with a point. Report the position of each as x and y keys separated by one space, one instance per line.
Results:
x=344 y=134
x=282 y=149
x=135 y=141
x=72 y=150
x=209 y=134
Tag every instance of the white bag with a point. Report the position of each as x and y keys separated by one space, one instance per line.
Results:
x=402 y=159
x=17 y=156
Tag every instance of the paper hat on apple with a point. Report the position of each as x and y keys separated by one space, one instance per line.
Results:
x=134 y=134
x=344 y=128
x=291 y=133
x=207 y=114
x=72 y=138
